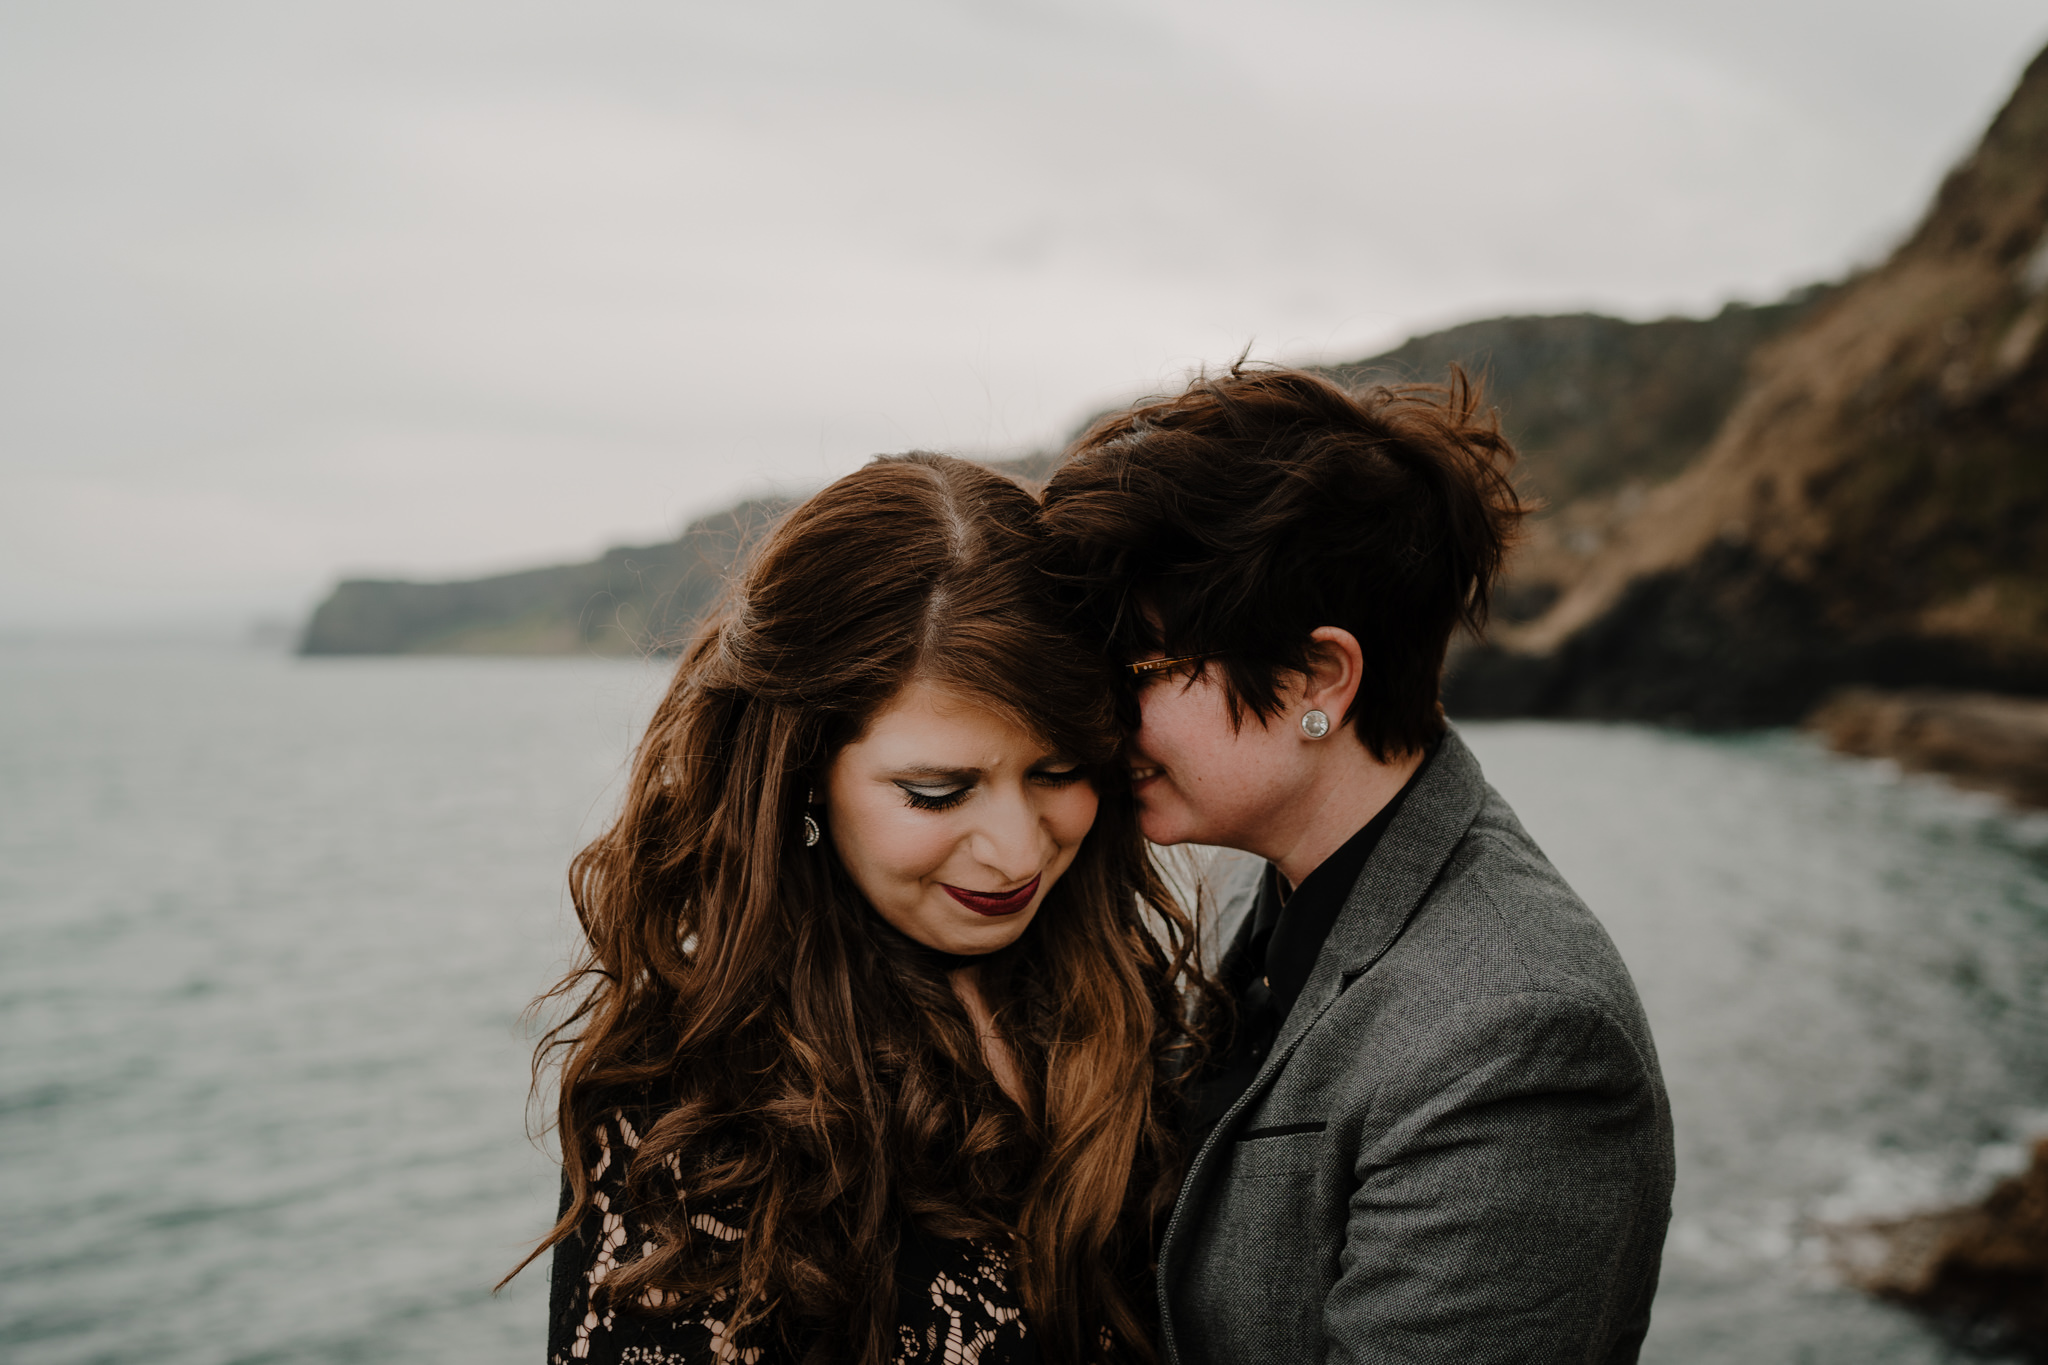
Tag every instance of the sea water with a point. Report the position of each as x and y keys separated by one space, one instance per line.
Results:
x=267 y=927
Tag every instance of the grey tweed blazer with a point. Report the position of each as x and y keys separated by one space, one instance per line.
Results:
x=1459 y=1149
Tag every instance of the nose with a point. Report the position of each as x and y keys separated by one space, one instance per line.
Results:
x=1009 y=840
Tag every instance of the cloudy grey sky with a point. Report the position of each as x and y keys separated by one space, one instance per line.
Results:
x=437 y=287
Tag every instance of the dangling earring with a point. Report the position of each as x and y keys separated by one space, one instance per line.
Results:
x=811 y=831
x=1315 y=724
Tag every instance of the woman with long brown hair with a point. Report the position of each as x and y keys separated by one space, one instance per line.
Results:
x=870 y=1057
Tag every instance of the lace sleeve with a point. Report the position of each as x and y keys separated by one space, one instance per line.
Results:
x=583 y=1325
x=957 y=1302
x=958 y=1306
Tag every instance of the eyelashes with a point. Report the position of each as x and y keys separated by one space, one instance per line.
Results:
x=946 y=798
x=934 y=800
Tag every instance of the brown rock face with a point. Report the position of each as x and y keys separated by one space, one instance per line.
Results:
x=1986 y=742
x=1980 y=1271
x=1874 y=508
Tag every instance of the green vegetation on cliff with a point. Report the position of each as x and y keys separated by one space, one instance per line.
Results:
x=628 y=601
x=1595 y=403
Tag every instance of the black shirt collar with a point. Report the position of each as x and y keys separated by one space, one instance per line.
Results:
x=1279 y=944
x=1288 y=933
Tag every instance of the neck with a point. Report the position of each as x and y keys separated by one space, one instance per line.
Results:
x=994 y=1049
x=1345 y=791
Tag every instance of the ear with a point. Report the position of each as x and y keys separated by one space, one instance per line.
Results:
x=1336 y=667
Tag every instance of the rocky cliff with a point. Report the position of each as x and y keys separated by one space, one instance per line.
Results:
x=1602 y=406
x=1601 y=409
x=1873 y=509
x=1597 y=403
x=1742 y=512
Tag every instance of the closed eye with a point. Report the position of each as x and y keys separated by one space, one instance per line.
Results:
x=1058 y=777
x=934 y=795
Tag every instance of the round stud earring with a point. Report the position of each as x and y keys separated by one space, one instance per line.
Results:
x=811 y=831
x=1315 y=724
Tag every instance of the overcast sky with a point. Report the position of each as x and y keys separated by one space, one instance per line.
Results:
x=439 y=287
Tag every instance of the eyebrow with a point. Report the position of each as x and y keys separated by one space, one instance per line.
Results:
x=934 y=770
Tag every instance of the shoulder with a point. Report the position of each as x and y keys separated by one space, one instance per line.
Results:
x=1500 y=964
x=1501 y=920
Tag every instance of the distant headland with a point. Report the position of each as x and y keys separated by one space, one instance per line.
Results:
x=1742 y=513
x=1602 y=406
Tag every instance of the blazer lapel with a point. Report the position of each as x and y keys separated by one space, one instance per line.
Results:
x=1426 y=829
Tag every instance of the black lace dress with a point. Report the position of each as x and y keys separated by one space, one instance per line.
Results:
x=956 y=1302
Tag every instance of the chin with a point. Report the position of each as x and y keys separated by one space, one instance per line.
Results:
x=1163 y=830
x=982 y=948
x=979 y=940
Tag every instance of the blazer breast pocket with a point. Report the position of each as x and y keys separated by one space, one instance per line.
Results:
x=1271 y=1151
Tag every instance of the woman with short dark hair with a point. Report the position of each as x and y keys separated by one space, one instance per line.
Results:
x=1438 y=1130
x=869 y=1058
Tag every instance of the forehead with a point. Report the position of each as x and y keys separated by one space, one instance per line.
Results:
x=926 y=723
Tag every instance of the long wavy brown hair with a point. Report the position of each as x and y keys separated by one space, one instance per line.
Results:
x=806 y=1070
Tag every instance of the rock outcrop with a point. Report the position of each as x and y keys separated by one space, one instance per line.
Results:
x=1873 y=510
x=1978 y=740
x=1980 y=1271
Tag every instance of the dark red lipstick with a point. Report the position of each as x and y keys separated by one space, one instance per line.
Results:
x=994 y=902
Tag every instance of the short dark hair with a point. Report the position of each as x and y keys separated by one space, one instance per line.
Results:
x=1259 y=505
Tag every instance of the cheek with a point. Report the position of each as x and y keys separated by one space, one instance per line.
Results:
x=1161 y=716
x=1186 y=729
x=884 y=845
x=1070 y=814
